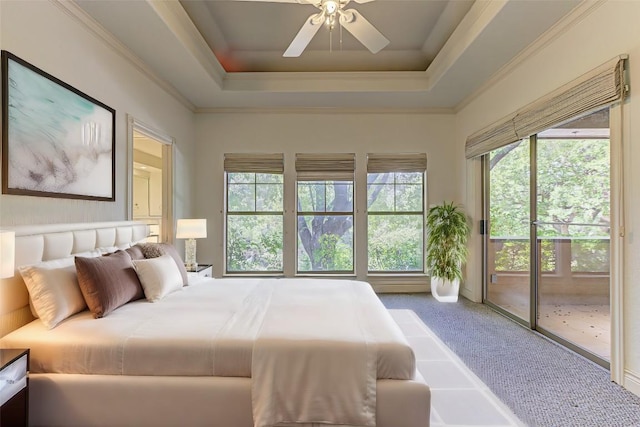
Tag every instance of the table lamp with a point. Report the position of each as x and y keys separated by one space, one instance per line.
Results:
x=191 y=229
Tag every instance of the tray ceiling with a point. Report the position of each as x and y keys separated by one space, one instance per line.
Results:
x=228 y=53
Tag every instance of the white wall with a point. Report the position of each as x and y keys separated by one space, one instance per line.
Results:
x=608 y=30
x=340 y=132
x=43 y=34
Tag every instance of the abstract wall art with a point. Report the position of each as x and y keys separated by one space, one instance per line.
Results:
x=56 y=140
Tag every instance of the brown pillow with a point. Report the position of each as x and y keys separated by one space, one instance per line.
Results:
x=108 y=282
x=154 y=250
x=135 y=252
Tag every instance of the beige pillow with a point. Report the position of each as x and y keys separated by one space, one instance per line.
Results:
x=53 y=290
x=107 y=282
x=159 y=276
x=92 y=253
x=153 y=250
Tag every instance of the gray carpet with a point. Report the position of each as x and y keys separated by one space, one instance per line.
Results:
x=543 y=383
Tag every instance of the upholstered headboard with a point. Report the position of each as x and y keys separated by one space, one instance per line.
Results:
x=36 y=243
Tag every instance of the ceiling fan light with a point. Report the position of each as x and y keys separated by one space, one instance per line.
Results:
x=330 y=7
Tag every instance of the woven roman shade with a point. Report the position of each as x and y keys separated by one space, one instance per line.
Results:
x=254 y=163
x=325 y=167
x=494 y=136
x=597 y=89
x=405 y=162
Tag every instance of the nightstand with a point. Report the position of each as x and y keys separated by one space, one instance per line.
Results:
x=203 y=270
x=14 y=387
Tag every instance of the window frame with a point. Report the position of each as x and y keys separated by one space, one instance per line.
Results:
x=396 y=213
x=228 y=214
x=325 y=212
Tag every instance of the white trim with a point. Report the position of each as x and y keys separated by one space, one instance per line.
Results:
x=179 y=23
x=617 y=206
x=466 y=33
x=398 y=289
x=129 y=183
x=328 y=82
x=632 y=382
x=76 y=12
x=168 y=167
x=360 y=219
x=169 y=182
x=574 y=17
x=324 y=110
x=151 y=132
x=471 y=287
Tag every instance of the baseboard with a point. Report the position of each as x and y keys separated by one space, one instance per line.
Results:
x=400 y=289
x=632 y=382
x=468 y=294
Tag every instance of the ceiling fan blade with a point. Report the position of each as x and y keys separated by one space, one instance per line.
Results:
x=363 y=30
x=304 y=36
x=362 y=1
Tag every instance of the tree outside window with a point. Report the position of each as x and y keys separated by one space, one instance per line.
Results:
x=325 y=226
x=254 y=222
x=395 y=222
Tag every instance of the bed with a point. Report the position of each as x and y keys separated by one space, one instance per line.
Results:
x=223 y=352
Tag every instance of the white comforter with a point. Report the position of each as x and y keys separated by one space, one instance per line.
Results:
x=313 y=347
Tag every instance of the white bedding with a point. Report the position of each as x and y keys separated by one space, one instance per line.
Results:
x=314 y=349
x=207 y=329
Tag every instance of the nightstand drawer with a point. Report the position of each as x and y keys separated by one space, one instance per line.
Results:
x=204 y=270
x=13 y=378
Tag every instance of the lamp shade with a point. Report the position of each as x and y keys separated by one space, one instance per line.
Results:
x=7 y=253
x=191 y=228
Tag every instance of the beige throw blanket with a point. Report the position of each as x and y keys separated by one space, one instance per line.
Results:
x=320 y=368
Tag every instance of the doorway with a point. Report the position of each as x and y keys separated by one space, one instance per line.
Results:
x=151 y=182
x=547 y=246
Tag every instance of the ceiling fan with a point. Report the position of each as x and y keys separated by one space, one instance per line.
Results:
x=332 y=13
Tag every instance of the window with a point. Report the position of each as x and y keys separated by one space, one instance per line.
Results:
x=395 y=203
x=325 y=213
x=254 y=214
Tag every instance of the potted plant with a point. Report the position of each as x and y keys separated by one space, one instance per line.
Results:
x=448 y=231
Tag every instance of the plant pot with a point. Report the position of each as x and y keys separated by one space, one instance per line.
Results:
x=444 y=290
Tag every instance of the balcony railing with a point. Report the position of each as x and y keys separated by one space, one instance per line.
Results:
x=566 y=264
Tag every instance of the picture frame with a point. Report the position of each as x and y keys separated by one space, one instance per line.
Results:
x=56 y=140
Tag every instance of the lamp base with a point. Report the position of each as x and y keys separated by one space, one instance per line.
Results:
x=190 y=255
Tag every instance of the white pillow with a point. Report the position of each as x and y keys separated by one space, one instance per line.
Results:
x=53 y=289
x=88 y=254
x=159 y=276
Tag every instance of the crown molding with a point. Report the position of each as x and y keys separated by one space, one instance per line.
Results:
x=77 y=13
x=481 y=14
x=574 y=17
x=183 y=28
x=354 y=81
x=326 y=110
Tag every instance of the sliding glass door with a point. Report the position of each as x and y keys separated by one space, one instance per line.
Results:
x=508 y=251
x=549 y=196
x=572 y=227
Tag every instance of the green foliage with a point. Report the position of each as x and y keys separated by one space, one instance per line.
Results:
x=325 y=240
x=573 y=186
x=395 y=243
x=448 y=231
x=254 y=243
x=254 y=238
x=331 y=253
x=325 y=229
